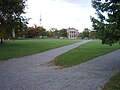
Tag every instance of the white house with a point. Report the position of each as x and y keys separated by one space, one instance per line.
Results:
x=72 y=33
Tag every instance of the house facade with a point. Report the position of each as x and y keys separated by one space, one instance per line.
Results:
x=72 y=33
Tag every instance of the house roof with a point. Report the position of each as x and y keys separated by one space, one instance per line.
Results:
x=72 y=29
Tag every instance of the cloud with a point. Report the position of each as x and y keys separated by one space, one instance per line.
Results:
x=81 y=3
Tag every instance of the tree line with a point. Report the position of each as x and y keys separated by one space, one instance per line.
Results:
x=40 y=32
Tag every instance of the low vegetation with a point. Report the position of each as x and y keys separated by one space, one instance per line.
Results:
x=84 y=53
x=113 y=84
x=20 y=48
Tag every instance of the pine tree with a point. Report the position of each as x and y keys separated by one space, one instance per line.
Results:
x=107 y=25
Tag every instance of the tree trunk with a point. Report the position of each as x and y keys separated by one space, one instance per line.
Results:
x=1 y=42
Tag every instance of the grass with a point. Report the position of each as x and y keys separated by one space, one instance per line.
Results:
x=113 y=84
x=20 y=48
x=84 y=53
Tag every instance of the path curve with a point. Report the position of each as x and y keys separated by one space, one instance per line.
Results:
x=28 y=73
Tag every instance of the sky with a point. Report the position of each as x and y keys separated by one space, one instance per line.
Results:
x=60 y=13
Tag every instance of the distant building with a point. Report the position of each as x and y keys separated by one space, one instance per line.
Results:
x=72 y=33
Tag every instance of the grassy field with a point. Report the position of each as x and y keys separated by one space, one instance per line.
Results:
x=20 y=48
x=84 y=53
x=113 y=84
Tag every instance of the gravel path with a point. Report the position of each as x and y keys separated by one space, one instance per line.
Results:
x=32 y=73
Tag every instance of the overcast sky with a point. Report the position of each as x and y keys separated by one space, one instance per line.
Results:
x=60 y=13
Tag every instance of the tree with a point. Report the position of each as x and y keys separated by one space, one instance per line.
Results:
x=35 y=31
x=107 y=25
x=31 y=32
x=42 y=32
x=49 y=33
x=56 y=34
x=63 y=33
x=11 y=18
x=86 y=33
x=92 y=35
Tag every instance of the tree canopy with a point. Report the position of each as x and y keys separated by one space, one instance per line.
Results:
x=35 y=32
x=107 y=23
x=11 y=18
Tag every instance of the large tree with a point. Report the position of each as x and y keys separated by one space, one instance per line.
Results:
x=11 y=19
x=107 y=23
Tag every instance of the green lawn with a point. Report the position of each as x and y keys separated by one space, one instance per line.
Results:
x=113 y=84
x=20 y=48
x=84 y=53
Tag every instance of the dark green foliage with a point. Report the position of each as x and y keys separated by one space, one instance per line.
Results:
x=57 y=33
x=63 y=33
x=11 y=18
x=108 y=23
x=86 y=33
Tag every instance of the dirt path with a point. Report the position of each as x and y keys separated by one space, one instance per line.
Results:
x=31 y=73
